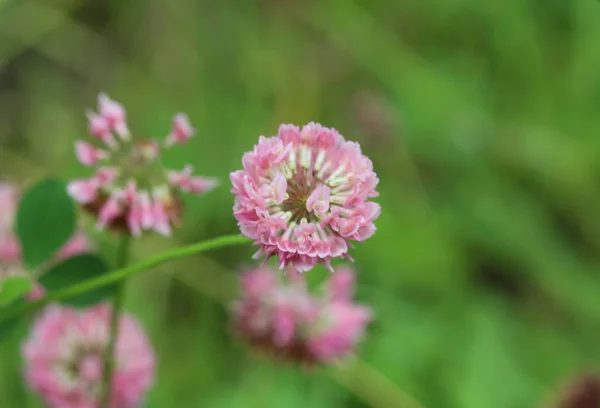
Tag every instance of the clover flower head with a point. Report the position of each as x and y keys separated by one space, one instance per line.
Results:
x=303 y=196
x=286 y=320
x=64 y=357
x=131 y=190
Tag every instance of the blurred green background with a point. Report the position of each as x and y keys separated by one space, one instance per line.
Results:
x=481 y=118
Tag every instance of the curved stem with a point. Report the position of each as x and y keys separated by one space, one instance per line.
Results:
x=117 y=307
x=119 y=274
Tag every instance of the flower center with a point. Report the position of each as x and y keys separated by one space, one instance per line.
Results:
x=138 y=160
x=309 y=194
x=297 y=196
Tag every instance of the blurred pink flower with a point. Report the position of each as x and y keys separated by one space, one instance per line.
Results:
x=303 y=195
x=10 y=248
x=131 y=190
x=289 y=322
x=64 y=358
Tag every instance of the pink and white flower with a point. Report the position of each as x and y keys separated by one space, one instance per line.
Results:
x=286 y=320
x=131 y=190
x=303 y=195
x=64 y=357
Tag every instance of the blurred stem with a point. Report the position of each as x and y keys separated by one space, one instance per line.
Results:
x=122 y=273
x=117 y=307
x=373 y=387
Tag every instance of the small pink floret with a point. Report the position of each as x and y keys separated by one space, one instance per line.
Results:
x=83 y=191
x=88 y=155
x=114 y=113
x=100 y=128
x=191 y=184
x=181 y=130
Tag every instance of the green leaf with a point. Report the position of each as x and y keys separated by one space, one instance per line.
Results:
x=75 y=270
x=8 y=327
x=12 y=288
x=45 y=221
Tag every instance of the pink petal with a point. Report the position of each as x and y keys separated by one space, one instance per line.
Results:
x=318 y=201
x=106 y=175
x=88 y=155
x=83 y=191
x=78 y=244
x=90 y=368
x=147 y=214
x=111 y=210
x=134 y=219
x=181 y=130
x=162 y=223
x=100 y=128
x=200 y=185
x=191 y=184
x=114 y=113
x=277 y=189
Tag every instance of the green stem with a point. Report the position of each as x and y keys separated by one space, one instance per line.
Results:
x=119 y=274
x=373 y=387
x=117 y=307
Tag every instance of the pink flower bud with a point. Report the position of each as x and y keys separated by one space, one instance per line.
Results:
x=88 y=155
x=100 y=129
x=191 y=184
x=181 y=130
x=114 y=113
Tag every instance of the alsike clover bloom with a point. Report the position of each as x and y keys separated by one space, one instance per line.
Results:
x=287 y=321
x=64 y=357
x=131 y=190
x=303 y=196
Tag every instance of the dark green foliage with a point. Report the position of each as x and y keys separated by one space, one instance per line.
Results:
x=45 y=221
x=74 y=270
